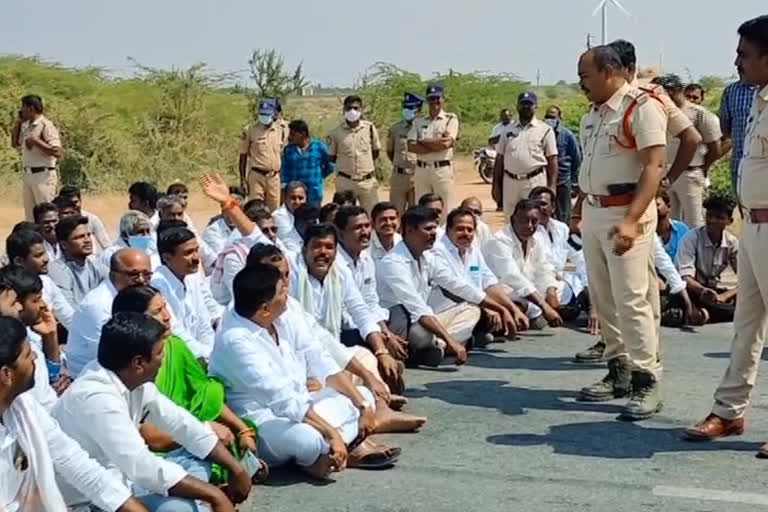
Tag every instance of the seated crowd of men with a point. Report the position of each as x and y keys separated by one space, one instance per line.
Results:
x=161 y=355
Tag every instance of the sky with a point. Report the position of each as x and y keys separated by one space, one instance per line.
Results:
x=338 y=39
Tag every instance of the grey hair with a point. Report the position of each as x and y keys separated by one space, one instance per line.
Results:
x=606 y=56
x=168 y=201
x=131 y=220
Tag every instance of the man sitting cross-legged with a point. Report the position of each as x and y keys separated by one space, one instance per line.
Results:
x=406 y=276
x=33 y=449
x=520 y=263
x=707 y=261
x=458 y=252
x=265 y=355
x=386 y=224
x=105 y=407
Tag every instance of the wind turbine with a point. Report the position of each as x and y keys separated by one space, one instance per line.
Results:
x=603 y=7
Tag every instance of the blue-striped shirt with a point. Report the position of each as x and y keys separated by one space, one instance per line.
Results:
x=734 y=112
x=310 y=166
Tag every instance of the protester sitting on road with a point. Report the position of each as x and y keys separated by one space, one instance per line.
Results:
x=483 y=232
x=707 y=260
x=98 y=231
x=328 y=213
x=458 y=252
x=46 y=215
x=265 y=356
x=345 y=198
x=66 y=205
x=142 y=196
x=78 y=271
x=521 y=263
x=670 y=230
x=104 y=408
x=386 y=227
x=435 y=202
x=135 y=231
x=219 y=228
x=295 y=196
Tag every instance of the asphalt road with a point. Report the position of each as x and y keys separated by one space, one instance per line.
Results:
x=506 y=433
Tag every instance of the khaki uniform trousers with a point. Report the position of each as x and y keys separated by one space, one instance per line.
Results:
x=40 y=187
x=516 y=190
x=619 y=285
x=264 y=187
x=686 y=196
x=749 y=324
x=402 y=191
x=366 y=191
x=437 y=180
x=459 y=320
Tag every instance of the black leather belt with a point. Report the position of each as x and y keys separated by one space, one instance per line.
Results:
x=695 y=168
x=362 y=178
x=523 y=177
x=439 y=163
x=400 y=170
x=35 y=170
x=264 y=172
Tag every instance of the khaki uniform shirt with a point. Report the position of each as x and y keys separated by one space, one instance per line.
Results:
x=433 y=128
x=526 y=148
x=753 y=170
x=354 y=147
x=605 y=161
x=283 y=123
x=714 y=266
x=708 y=125
x=677 y=121
x=397 y=143
x=42 y=128
x=263 y=145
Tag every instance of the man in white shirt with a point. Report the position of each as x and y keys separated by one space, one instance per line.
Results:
x=128 y=267
x=135 y=231
x=142 y=196
x=520 y=263
x=295 y=196
x=34 y=450
x=179 y=281
x=98 y=231
x=25 y=248
x=406 y=276
x=105 y=407
x=265 y=357
x=304 y=216
x=434 y=202
x=483 y=232
x=46 y=215
x=386 y=224
x=567 y=258
x=354 y=229
x=458 y=252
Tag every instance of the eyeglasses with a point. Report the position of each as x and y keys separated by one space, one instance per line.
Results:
x=477 y=213
x=135 y=275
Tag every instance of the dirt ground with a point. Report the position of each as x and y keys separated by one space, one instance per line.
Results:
x=109 y=207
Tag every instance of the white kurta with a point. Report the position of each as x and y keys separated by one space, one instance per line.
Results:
x=553 y=240
x=83 y=341
x=267 y=383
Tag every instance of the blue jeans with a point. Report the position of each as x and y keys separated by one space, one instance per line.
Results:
x=194 y=467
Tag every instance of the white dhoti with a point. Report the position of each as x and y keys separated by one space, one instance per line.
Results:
x=282 y=441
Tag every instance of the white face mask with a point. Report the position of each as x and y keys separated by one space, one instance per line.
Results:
x=409 y=114
x=265 y=119
x=352 y=115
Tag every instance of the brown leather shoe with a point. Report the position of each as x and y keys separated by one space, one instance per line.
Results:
x=714 y=427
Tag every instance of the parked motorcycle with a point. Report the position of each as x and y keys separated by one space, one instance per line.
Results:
x=485 y=159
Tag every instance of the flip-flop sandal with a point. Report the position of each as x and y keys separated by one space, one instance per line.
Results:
x=261 y=475
x=375 y=461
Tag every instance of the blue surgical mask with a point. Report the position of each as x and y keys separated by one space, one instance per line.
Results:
x=551 y=121
x=409 y=114
x=144 y=243
x=266 y=119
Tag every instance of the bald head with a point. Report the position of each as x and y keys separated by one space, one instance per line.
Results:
x=130 y=267
x=473 y=203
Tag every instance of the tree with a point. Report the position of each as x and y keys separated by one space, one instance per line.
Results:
x=267 y=70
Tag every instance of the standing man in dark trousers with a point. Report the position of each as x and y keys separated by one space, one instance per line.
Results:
x=568 y=162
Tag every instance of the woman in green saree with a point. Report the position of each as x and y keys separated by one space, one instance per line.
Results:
x=185 y=380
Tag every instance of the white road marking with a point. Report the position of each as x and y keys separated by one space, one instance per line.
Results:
x=698 y=493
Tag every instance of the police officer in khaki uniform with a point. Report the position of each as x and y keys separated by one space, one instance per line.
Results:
x=41 y=149
x=281 y=120
x=751 y=317
x=401 y=192
x=354 y=147
x=261 y=152
x=433 y=139
x=620 y=176
x=526 y=156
